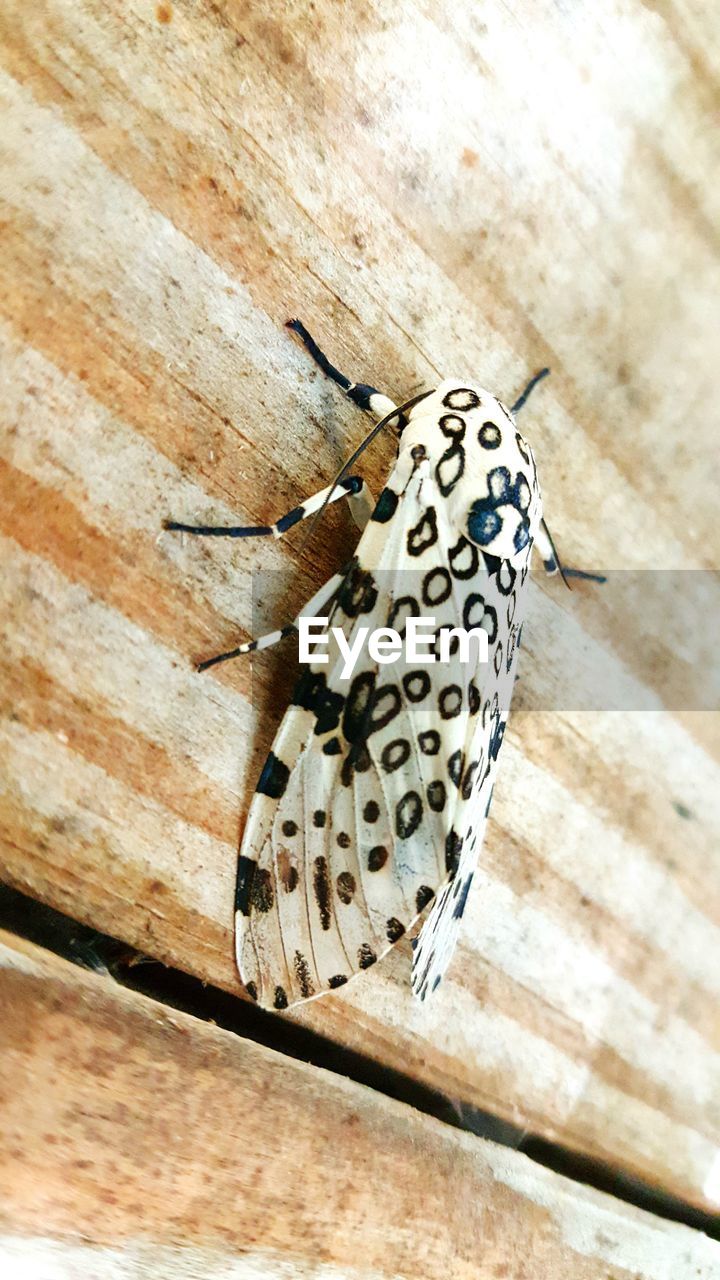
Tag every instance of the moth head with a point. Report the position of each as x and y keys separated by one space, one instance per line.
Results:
x=484 y=469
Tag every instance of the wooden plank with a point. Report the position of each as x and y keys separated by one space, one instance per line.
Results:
x=171 y=191
x=138 y=1139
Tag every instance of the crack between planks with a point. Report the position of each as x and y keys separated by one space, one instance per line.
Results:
x=25 y=917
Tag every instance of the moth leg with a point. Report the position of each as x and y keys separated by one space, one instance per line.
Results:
x=318 y=601
x=359 y=392
x=551 y=560
x=353 y=488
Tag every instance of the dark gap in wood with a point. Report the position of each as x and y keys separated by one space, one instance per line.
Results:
x=84 y=946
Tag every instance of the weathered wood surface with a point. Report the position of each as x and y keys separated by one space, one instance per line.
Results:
x=139 y=1140
x=467 y=188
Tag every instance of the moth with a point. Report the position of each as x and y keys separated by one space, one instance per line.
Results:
x=371 y=806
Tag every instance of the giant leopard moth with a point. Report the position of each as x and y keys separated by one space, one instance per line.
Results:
x=372 y=803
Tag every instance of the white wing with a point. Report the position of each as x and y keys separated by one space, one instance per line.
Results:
x=504 y=593
x=348 y=836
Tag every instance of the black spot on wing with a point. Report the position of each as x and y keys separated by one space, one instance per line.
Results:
x=408 y=815
x=450 y=469
x=281 y=1000
x=346 y=887
x=386 y=507
x=490 y=709
x=302 y=972
x=462 y=398
x=358 y=707
x=490 y=436
x=478 y=613
x=464 y=559
x=522 y=447
x=357 y=760
x=312 y=693
x=377 y=857
x=367 y=710
x=496 y=738
x=424 y=534
x=462 y=898
x=338 y=980
x=502 y=571
x=262 y=894
x=522 y=493
x=436 y=587
x=386 y=704
x=358 y=593
x=404 y=607
x=456 y=764
x=453 y=848
x=497 y=659
x=395 y=754
x=417 y=685
x=521 y=537
x=513 y=642
x=394 y=929
x=468 y=781
x=484 y=524
x=429 y=741
x=453 y=426
x=424 y=895
x=243 y=885
x=287 y=872
x=254 y=887
x=321 y=886
x=436 y=795
x=450 y=701
x=274 y=778
x=484 y=520
x=500 y=485
x=366 y=956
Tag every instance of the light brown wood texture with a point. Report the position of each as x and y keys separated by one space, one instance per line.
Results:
x=466 y=188
x=139 y=1140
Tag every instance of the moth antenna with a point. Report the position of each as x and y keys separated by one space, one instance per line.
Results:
x=350 y=462
x=544 y=373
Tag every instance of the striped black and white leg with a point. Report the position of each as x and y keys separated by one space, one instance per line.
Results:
x=311 y=609
x=368 y=398
x=551 y=561
x=352 y=487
